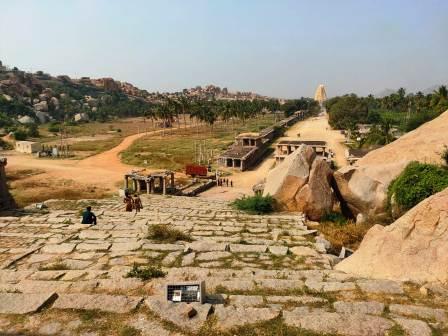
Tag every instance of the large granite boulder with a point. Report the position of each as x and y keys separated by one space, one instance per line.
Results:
x=302 y=182
x=316 y=197
x=364 y=189
x=414 y=247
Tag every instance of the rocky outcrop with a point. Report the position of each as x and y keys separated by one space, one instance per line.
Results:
x=414 y=247
x=364 y=187
x=302 y=182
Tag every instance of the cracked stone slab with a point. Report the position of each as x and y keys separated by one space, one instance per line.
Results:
x=414 y=327
x=40 y=286
x=380 y=286
x=162 y=247
x=93 y=247
x=110 y=303
x=177 y=312
x=365 y=307
x=304 y=299
x=204 y=246
x=229 y=317
x=279 y=284
x=278 y=250
x=15 y=303
x=94 y=234
x=242 y=248
x=323 y=322
x=63 y=248
x=130 y=246
x=246 y=300
x=436 y=314
x=304 y=251
x=207 y=256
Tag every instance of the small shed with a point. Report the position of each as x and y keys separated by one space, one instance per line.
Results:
x=28 y=147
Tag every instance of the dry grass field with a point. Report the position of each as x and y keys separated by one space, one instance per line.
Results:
x=175 y=149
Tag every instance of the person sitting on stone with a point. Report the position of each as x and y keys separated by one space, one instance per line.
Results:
x=88 y=217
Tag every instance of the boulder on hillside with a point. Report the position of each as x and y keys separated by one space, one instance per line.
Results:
x=364 y=189
x=414 y=247
x=41 y=106
x=302 y=182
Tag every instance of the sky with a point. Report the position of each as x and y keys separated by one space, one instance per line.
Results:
x=279 y=48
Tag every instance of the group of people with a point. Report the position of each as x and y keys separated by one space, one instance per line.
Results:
x=132 y=203
x=224 y=182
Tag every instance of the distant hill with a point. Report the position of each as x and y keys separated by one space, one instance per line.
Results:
x=27 y=98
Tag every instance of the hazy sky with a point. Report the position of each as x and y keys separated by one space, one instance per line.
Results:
x=279 y=47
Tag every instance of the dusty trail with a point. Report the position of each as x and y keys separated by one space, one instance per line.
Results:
x=104 y=169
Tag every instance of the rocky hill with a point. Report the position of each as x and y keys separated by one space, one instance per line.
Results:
x=39 y=97
x=364 y=186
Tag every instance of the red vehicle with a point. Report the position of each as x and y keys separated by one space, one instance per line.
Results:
x=196 y=170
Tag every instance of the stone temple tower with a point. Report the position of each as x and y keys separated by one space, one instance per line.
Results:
x=321 y=94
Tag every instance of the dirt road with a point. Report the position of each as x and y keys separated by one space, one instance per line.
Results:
x=104 y=169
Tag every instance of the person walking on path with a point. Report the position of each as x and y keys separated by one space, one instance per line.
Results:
x=128 y=201
x=137 y=203
x=88 y=217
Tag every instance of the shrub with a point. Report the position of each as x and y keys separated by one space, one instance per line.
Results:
x=417 y=182
x=20 y=135
x=255 y=204
x=53 y=128
x=334 y=217
x=145 y=272
x=167 y=234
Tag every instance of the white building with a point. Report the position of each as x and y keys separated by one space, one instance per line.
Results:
x=28 y=147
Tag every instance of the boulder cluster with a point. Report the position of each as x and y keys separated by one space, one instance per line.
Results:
x=302 y=182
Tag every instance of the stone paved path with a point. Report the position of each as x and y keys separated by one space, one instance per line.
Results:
x=58 y=277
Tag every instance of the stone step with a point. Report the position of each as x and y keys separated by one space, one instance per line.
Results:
x=17 y=303
x=108 y=303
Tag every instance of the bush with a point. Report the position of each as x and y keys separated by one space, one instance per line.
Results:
x=334 y=217
x=20 y=135
x=417 y=182
x=145 y=272
x=167 y=234
x=53 y=128
x=255 y=204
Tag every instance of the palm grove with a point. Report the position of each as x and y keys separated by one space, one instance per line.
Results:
x=398 y=111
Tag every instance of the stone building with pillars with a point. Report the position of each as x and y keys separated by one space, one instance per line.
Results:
x=157 y=182
x=286 y=147
x=247 y=149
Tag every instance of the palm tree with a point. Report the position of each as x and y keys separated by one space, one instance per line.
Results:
x=185 y=104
